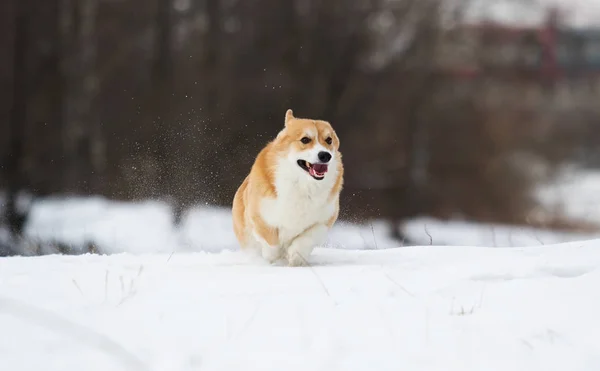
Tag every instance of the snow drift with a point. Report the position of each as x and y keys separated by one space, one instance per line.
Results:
x=418 y=308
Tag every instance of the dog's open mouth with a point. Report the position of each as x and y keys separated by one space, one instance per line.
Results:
x=317 y=171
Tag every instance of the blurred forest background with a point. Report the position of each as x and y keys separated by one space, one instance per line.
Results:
x=438 y=114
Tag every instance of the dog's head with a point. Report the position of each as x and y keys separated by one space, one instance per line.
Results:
x=310 y=145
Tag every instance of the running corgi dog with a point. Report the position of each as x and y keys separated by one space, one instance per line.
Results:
x=290 y=199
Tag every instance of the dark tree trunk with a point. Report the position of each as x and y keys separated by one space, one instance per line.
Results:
x=15 y=217
x=213 y=11
x=163 y=60
x=413 y=195
x=82 y=138
x=162 y=72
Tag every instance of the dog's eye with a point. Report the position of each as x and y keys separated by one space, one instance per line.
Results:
x=305 y=140
x=328 y=140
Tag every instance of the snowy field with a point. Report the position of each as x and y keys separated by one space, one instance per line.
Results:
x=414 y=308
x=575 y=193
x=174 y=299
x=147 y=227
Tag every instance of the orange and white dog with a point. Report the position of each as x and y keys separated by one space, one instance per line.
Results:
x=290 y=200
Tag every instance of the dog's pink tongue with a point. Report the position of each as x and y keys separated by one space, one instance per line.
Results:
x=318 y=169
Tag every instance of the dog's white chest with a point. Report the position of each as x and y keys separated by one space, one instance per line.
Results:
x=300 y=203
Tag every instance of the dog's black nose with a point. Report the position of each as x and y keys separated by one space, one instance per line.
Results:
x=324 y=156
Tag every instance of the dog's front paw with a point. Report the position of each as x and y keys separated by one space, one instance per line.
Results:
x=297 y=260
x=272 y=253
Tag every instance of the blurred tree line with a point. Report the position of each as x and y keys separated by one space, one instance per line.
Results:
x=173 y=99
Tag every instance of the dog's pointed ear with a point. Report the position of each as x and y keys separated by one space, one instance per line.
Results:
x=289 y=114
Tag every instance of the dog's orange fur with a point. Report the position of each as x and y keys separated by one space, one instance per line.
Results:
x=260 y=182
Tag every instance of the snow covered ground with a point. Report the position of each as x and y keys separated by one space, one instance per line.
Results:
x=172 y=299
x=575 y=193
x=147 y=226
x=414 y=308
